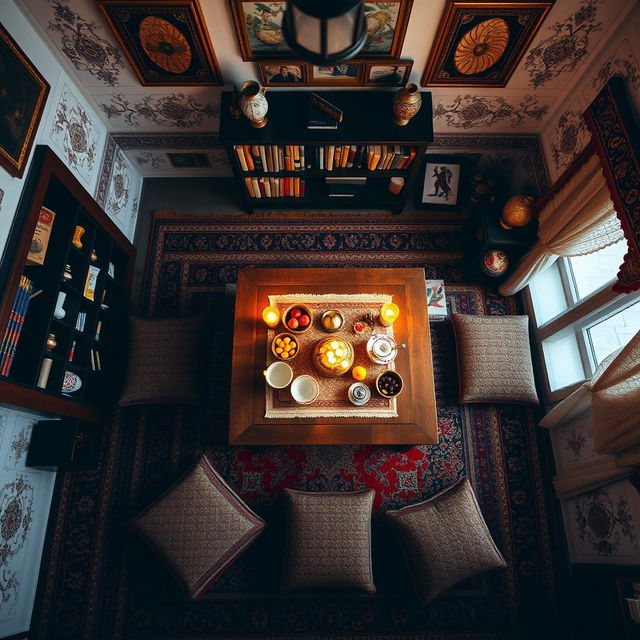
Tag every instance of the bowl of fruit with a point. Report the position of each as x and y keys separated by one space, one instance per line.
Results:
x=297 y=318
x=389 y=383
x=285 y=346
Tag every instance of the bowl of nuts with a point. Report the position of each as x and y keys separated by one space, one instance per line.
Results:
x=389 y=383
x=284 y=346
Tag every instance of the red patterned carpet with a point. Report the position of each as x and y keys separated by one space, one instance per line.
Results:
x=98 y=581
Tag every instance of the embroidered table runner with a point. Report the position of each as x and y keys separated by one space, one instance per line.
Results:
x=332 y=401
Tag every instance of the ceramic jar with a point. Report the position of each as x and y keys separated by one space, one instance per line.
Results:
x=253 y=104
x=517 y=212
x=59 y=312
x=406 y=103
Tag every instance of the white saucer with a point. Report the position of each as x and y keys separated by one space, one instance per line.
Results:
x=359 y=402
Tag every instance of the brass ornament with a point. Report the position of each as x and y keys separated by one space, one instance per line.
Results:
x=481 y=47
x=517 y=212
x=406 y=103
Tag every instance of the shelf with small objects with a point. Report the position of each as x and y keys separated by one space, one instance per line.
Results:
x=364 y=161
x=66 y=275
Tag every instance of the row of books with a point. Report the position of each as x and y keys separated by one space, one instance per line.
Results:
x=275 y=158
x=15 y=324
x=275 y=187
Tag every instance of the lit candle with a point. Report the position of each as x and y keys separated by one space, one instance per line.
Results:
x=389 y=314
x=271 y=317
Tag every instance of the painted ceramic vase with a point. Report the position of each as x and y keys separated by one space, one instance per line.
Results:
x=495 y=262
x=406 y=103
x=71 y=382
x=59 y=312
x=517 y=212
x=51 y=342
x=77 y=235
x=253 y=104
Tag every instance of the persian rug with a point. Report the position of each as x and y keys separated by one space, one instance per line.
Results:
x=99 y=581
x=616 y=138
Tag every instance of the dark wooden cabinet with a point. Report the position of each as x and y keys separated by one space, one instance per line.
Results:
x=103 y=246
x=367 y=121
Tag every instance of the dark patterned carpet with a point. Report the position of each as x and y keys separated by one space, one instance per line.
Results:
x=98 y=581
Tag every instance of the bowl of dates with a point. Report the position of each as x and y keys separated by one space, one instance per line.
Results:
x=389 y=384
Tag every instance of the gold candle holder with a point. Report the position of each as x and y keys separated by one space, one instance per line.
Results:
x=271 y=317
x=389 y=313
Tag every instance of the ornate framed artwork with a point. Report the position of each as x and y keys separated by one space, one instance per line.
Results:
x=387 y=73
x=24 y=94
x=345 y=74
x=283 y=73
x=479 y=44
x=259 y=28
x=445 y=183
x=166 y=41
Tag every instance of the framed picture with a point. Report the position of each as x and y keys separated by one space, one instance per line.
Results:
x=24 y=94
x=259 y=29
x=393 y=73
x=480 y=46
x=441 y=182
x=346 y=74
x=166 y=41
x=283 y=73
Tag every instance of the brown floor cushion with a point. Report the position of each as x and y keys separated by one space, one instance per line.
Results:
x=494 y=359
x=445 y=540
x=198 y=527
x=328 y=541
x=165 y=357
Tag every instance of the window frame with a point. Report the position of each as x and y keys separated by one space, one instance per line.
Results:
x=578 y=318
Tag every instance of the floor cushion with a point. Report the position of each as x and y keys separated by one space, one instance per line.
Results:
x=445 y=540
x=165 y=357
x=494 y=359
x=328 y=541
x=198 y=527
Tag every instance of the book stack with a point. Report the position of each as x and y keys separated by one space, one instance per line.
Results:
x=15 y=324
x=275 y=158
x=275 y=187
x=344 y=187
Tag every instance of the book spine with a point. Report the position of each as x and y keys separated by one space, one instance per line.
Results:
x=303 y=165
x=267 y=187
x=329 y=158
x=263 y=158
x=302 y=188
x=241 y=160
x=248 y=158
x=256 y=187
x=27 y=289
x=249 y=187
x=4 y=346
x=321 y=160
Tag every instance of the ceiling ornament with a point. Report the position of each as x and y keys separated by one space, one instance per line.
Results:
x=472 y=111
x=175 y=110
x=565 y=48
x=83 y=45
x=480 y=44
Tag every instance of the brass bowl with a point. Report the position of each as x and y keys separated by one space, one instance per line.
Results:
x=393 y=374
x=332 y=321
x=285 y=335
x=340 y=360
x=286 y=316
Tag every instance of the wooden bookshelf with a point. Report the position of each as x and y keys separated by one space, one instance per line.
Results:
x=50 y=184
x=367 y=121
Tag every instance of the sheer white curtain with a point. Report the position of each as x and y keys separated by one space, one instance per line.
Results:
x=577 y=220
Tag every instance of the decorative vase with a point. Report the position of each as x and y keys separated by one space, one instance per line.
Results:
x=51 y=342
x=253 y=103
x=77 y=234
x=495 y=263
x=59 y=311
x=406 y=103
x=517 y=212
x=333 y=356
x=71 y=382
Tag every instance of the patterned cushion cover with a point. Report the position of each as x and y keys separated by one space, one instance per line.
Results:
x=164 y=361
x=329 y=541
x=198 y=527
x=494 y=359
x=445 y=540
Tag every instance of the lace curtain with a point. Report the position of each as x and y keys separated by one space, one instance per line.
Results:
x=579 y=219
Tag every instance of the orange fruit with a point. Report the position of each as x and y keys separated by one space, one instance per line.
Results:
x=359 y=373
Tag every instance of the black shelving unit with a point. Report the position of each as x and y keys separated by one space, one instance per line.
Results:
x=367 y=121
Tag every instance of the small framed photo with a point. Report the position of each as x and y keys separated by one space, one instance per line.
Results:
x=283 y=73
x=347 y=74
x=393 y=73
x=442 y=182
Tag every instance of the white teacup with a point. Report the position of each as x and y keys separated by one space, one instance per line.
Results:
x=278 y=375
x=305 y=389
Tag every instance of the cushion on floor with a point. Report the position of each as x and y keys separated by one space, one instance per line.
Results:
x=198 y=527
x=165 y=358
x=328 y=541
x=445 y=540
x=494 y=359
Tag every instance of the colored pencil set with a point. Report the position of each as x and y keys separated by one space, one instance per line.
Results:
x=14 y=326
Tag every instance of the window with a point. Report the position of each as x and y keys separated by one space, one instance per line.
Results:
x=578 y=319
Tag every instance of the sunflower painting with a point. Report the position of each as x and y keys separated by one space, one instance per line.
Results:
x=481 y=45
x=166 y=41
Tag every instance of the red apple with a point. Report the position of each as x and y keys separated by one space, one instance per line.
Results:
x=292 y=324
x=296 y=313
x=304 y=321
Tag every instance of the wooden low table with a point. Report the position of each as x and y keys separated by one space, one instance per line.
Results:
x=416 y=422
